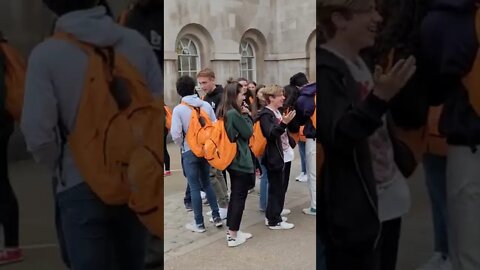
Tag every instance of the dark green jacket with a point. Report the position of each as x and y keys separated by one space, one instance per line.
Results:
x=240 y=127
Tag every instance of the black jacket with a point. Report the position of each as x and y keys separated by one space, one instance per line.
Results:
x=273 y=157
x=449 y=43
x=145 y=21
x=214 y=98
x=347 y=197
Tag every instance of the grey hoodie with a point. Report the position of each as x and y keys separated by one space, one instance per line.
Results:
x=54 y=84
x=181 y=119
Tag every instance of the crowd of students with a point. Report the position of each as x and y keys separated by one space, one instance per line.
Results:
x=246 y=111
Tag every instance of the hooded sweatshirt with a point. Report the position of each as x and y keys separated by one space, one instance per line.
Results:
x=55 y=77
x=181 y=119
x=449 y=44
x=215 y=97
x=145 y=20
x=306 y=107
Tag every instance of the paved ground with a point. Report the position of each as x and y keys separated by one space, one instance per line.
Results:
x=292 y=249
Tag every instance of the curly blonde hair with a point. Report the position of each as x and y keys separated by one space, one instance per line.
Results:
x=268 y=91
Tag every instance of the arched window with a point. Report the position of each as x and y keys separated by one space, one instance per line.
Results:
x=247 y=61
x=188 y=57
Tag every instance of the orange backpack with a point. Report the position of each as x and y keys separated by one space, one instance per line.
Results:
x=14 y=80
x=472 y=80
x=168 y=117
x=116 y=142
x=199 y=129
x=219 y=150
x=314 y=115
x=258 y=142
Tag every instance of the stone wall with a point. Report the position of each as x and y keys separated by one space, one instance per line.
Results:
x=281 y=31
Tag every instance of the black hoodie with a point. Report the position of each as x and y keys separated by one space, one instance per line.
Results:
x=347 y=197
x=148 y=21
x=214 y=98
x=449 y=44
x=273 y=157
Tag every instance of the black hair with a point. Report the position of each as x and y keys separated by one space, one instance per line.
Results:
x=186 y=86
x=61 y=7
x=400 y=30
x=299 y=79
x=291 y=93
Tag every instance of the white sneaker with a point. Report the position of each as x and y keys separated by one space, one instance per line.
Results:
x=233 y=242
x=310 y=211
x=245 y=235
x=282 y=226
x=285 y=212
x=303 y=179
x=283 y=219
x=222 y=211
x=203 y=195
x=437 y=262
x=195 y=228
x=299 y=176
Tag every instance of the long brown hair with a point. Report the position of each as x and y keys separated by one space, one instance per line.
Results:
x=229 y=100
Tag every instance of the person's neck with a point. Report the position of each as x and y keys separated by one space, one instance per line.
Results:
x=344 y=48
x=272 y=108
x=212 y=90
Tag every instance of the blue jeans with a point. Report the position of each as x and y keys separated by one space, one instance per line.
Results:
x=197 y=171
x=263 y=187
x=99 y=236
x=435 y=174
x=301 y=150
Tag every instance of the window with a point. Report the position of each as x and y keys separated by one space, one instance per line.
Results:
x=247 y=61
x=188 y=58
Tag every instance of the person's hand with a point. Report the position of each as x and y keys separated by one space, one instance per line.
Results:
x=288 y=116
x=245 y=110
x=387 y=85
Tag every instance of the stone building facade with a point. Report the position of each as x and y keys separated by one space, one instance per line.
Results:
x=265 y=40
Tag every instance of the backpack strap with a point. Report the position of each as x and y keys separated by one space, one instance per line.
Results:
x=63 y=134
x=471 y=81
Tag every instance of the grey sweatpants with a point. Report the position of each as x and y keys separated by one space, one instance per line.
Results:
x=463 y=200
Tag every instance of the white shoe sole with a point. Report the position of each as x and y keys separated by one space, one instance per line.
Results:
x=283 y=219
x=239 y=241
x=308 y=212
x=194 y=229
x=281 y=228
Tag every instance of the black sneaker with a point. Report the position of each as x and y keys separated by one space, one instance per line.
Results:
x=218 y=222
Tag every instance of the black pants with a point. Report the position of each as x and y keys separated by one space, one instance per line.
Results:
x=383 y=258
x=8 y=200
x=165 y=152
x=388 y=244
x=224 y=172
x=344 y=259
x=239 y=191
x=277 y=188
